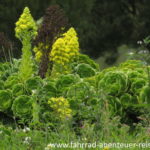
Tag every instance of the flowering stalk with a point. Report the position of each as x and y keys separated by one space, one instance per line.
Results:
x=64 y=50
x=26 y=30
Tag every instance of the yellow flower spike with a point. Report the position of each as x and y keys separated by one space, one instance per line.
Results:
x=26 y=25
x=62 y=48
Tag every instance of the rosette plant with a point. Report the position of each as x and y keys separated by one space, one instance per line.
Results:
x=81 y=58
x=18 y=89
x=11 y=81
x=22 y=107
x=113 y=83
x=145 y=95
x=26 y=30
x=81 y=90
x=65 y=81
x=34 y=83
x=84 y=70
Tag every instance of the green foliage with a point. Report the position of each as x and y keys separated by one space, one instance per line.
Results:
x=1 y=85
x=113 y=83
x=86 y=60
x=22 y=107
x=48 y=90
x=84 y=70
x=126 y=99
x=26 y=66
x=5 y=100
x=80 y=90
x=34 y=83
x=11 y=81
x=18 y=89
x=26 y=30
x=145 y=95
x=88 y=103
x=137 y=85
x=65 y=81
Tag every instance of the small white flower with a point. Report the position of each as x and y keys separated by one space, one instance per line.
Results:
x=27 y=140
x=143 y=52
x=34 y=91
x=139 y=42
x=26 y=129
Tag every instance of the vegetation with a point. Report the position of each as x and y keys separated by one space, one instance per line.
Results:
x=73 y=100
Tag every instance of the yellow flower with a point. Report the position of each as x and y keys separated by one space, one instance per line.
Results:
x=25 y=24
x=61 y=107
x=65 y=48
x=106 y=148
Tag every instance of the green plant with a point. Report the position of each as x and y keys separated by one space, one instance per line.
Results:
x=34 y=83
x=81 y=58
x=114 y=83
x=61 y=107
x=145 y=95
x=22 y=107
x=5 y=100
x=65 y=81
x=26 y=30
x=18 y=89
x=84 y=70
x=53 y=25
x=64 y=50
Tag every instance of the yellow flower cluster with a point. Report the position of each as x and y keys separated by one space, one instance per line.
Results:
x=38 y=51
x=61 y=107
x=65 y=48
x=26 y=25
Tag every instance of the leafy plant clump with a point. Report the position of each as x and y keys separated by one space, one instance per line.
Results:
x=70 y=95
